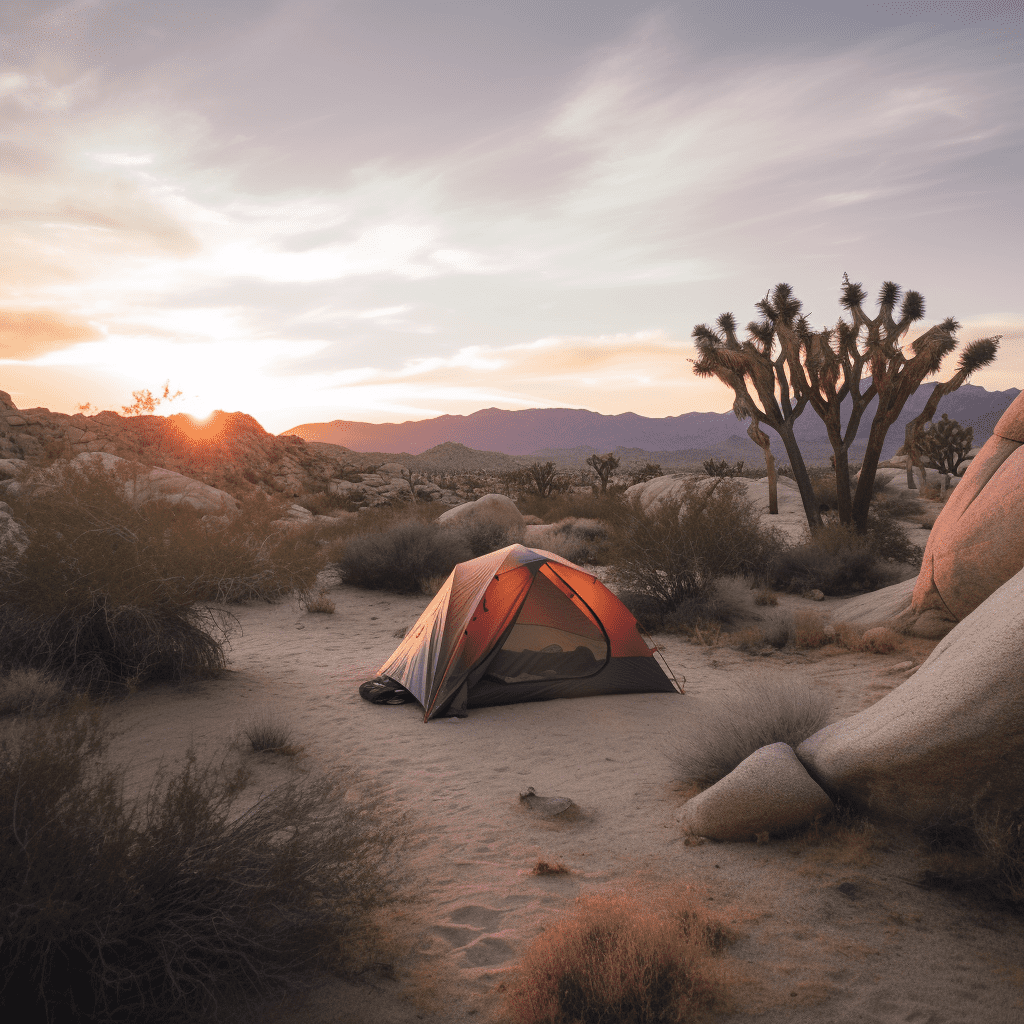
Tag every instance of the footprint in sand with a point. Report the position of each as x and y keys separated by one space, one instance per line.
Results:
x=471 y=930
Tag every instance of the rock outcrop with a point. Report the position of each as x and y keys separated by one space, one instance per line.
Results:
x=230 y=451
x=490 y=510
x=977 y=542
x=953 y=732
x=768 y=792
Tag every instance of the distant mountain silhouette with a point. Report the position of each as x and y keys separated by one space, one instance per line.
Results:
x=569 y=435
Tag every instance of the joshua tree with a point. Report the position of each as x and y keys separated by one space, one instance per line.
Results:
x=824 y=368
x=775 y=401
x=603 y=466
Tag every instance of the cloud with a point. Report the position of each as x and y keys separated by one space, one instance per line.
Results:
x=26 y=334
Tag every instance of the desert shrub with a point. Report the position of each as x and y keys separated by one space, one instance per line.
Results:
x=88 y=536
x=778 y=630
x=482 y=536
x=809 y=630
x=835 y=560
x=641 y=474
x=182 y=899
x=583 y=541
x=979 y=851
x=401 y=556
x=888 y=537
x=101 y=645
x=572 y=505
x=620 y=958
x=31 y=690
x=327 y=502
x=726 y=729
x=721 y=467
x=674 y=551
x=106 y=591
x=766 y=597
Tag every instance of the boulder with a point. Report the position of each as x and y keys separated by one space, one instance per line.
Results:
x=977 y=542
x=491 y=509
x=879 y=607
x=155 y=484
x=952 y=732
x=769 y=791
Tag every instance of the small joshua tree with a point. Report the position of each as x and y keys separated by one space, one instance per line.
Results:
x=603 y=466
x=946 y=445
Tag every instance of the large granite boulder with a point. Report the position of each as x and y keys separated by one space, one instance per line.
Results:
x=977 y=542
x=952 y=733
x=768 y=792
x=155 y=484
x=492 y=510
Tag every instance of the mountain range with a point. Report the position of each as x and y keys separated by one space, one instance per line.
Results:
x=569 y=436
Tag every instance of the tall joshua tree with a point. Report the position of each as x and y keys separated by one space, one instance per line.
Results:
x=772 y=397
x=824 y=368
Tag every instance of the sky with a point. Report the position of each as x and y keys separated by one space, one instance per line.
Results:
x=389 y=210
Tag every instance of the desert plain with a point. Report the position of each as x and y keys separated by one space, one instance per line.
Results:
x=831 y=925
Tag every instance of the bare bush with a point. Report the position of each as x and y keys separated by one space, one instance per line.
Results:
x=183 y=899
x=622 y=958
x=727 y=729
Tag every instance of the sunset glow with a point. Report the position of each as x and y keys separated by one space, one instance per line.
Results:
x=434 y=210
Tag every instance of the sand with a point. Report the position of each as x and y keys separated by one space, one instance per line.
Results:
x=826 y=932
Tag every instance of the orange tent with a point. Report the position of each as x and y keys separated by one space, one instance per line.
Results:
x=520 y=625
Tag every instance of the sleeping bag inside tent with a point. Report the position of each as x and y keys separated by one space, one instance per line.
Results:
x=517 y=625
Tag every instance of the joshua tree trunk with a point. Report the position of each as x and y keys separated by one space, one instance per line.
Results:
x=802 y=477
x=763 y=441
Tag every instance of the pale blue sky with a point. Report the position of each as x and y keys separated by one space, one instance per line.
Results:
x=388 y=210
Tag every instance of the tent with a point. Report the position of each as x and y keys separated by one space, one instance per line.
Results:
x=517 y=625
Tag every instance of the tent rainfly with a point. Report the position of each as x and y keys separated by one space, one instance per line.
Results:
x=517 y=625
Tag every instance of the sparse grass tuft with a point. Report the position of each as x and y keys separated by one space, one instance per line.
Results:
x=727 y=728
x=316 y=602
x=266 y=734
x=978 y=851
x=191 y=897
x=622 y=958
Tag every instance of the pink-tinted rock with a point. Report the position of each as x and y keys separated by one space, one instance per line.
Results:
x=977 y=542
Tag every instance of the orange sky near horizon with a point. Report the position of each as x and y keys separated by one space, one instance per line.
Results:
x=424 y=210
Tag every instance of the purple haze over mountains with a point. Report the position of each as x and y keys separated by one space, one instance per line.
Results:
x=527 y=432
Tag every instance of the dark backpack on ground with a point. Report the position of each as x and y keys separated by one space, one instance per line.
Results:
x=384 y=691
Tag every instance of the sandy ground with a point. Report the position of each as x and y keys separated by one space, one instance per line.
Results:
x=828 y=932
